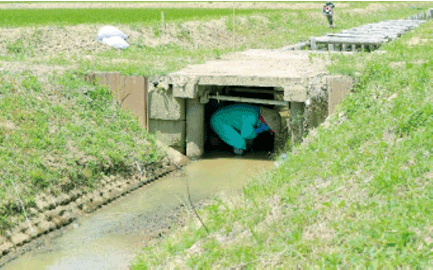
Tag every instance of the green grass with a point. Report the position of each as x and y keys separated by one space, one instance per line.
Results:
x=63 y=135
x=359 y=194
x=36 y=17
x=149 y=61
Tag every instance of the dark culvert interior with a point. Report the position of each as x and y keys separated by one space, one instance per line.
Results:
x=263 y=144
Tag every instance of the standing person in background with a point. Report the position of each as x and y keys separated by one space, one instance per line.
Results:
x=239 y=124
x=328 y=11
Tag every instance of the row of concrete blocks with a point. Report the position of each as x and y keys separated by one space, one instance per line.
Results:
x=55 y=212
x=364 y=38
x=422 y=16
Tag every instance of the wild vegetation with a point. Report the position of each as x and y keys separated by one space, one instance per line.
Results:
x=358 y=193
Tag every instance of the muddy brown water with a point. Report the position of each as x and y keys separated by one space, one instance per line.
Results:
x=110 y=237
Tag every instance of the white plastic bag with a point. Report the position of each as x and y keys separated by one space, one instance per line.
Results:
x=116 y=42
x=110 y=31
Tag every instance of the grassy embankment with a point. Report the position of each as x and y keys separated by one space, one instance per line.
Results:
x=60 y=133
x=358 y=194
x=61 y=136
x=57 y=132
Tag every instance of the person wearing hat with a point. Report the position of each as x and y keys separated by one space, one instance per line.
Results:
x=239 y=124
x=328 y=11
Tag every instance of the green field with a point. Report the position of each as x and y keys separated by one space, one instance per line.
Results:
x=35 y=17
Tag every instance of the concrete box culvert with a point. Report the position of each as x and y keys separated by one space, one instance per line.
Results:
x=291 y=82
x=176 y=107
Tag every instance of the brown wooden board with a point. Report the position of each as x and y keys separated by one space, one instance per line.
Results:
x=113 y=80
x=130 y=91
x=135 y=98
x=338 y=87
x=100 y=78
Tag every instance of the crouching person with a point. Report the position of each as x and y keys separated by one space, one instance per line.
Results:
x=239 y=124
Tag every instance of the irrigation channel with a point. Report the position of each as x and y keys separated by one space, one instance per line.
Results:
x=110 y=237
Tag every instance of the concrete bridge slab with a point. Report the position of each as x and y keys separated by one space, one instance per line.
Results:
x=287 y=70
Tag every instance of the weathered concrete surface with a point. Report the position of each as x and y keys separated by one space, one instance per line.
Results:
x=289 y=70
x=170 y=132
x=175 y=156
x=194 y=128
x=296 y=123
x=164 y=106
x=429 y=13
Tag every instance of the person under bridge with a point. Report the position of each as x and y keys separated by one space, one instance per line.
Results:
x=239 y=124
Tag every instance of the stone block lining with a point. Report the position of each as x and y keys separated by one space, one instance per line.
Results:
x=54 y=212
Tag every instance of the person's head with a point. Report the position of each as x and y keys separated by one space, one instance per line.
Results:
x=272 y=118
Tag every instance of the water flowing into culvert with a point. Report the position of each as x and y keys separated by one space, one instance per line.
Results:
x=110 y=237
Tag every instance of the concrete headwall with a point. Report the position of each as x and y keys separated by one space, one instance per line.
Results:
x=167 y=116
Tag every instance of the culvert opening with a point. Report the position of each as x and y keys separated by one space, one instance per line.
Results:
x=262 y=145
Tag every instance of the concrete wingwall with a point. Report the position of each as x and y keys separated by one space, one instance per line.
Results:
x=337 y=87
x=167 y=117
x=156 y=110
x=324 y=95
x=129 y=91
